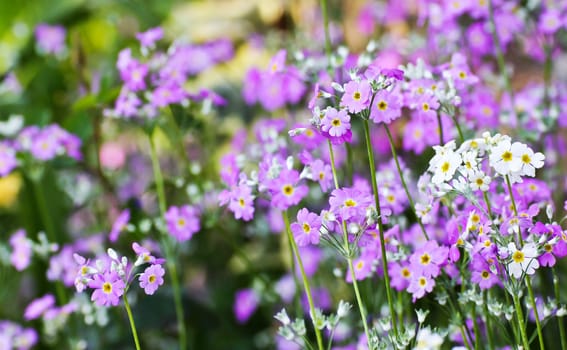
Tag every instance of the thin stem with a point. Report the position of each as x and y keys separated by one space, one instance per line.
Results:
x=304 y=276
x=461 y=137
x=410 y=199
x=380 y=226
x=169 y=255
x=440 y=129
x=132 y=324
x=528 y=281
x=49 y=230
x=475 y=328
x=536 y=313
x=326 y=28
x=558 y=299
x=488 y=207
x=487 y=320
x=361 y=308
x=520 y=319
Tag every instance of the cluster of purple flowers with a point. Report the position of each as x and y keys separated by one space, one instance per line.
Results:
x=110 y=275
x=13 y=336
x=43 y=144
x=158 y=80
x=278 y=85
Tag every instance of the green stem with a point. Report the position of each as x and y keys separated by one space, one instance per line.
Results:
x=305 y=279
x=440 y=129
x=536 y=313
x=461 y=137
x=475 y=328
x=349 y=168
x=488 y=207
x=380 y=226
x=132 y=324
x=487 y=320
x=361 y=308
x=49 y=231
x=410 y=199
x=169 y=255
x=528 y=281
x=559 y=319
x=520 y=319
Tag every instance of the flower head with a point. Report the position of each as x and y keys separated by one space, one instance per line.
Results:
x=152 y=278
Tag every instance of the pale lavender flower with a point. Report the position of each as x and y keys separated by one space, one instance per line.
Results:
x=152 y=278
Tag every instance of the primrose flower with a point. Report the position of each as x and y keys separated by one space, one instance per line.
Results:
x=505 y=157
x=356 y=96
x=335 y=123
x=387 y=107
x=306 y=229
x=152 y=278
x=523 y=260
x=182 y=222
x=445 y=166
x=108 y=287
x=285 y=190
x=50 y=39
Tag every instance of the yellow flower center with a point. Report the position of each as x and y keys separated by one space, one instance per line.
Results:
x=422 y=281
x=406 y=272
x=425 y=106
x=518 y=256
x=356 y=96
x=107 y=287
x=382 y=105
x=306 y=228
x=445 y=167
x=507 y=156
x=152 y=278
x=526 y=159
x=241 y=202
x=485 y=274
x=548 y=248
x=479 y=182
x=336 y=122
x=288 y=190
x=350 y=203
x=425 y=259
x=360 y=265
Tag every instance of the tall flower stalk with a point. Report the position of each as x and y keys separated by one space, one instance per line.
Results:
x=132 y=324
x=295 y=251
x=158 y=177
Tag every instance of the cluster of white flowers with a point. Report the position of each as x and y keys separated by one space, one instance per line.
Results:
x=506 y=158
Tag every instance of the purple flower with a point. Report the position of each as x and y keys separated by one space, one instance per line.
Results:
x=44 y=146
x=420 y=285
x=50 y=39
x=241 y=202
x=387 y=107
x=182 y=222
x=245 y=303
x=38 y=307
x=134 y=76
x=285 y=191
x=149 y=37
x=393 y=73
x=550 y=21
x=272 y=91
x=429 y=259
x=350 y=203
x=166 y=94
x=22 y=250
x=152 y=278
x=143 y=255
x=119 y=225
x=8 y=159
x=306 y=229
x=109 y=287
x=322 y=173
x=356 y=96
x=335 y=123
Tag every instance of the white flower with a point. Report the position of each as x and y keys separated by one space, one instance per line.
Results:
x=479 y=181
x=427 y=340
x=445 y=167
x=505 y=157
x=523 y=261
x=530 y=160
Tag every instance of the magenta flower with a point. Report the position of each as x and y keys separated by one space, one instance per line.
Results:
x=420 y=285
x=306 y=229
x=350 y=203
x=109 y=287
x=322 y=173
x=242 y=202
x=245 y=303
x=38 y=307
x=335 y=123
x=50 y=39
x=182 y=222
x=8 y=160
x=152 y=278
x=429 y=259
x=285 y=189
x=387 y=107
x=22 y=250
x=134 y=76
x=481 y=273
x=149 y=37
x=356 y=96
x=119 y=225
